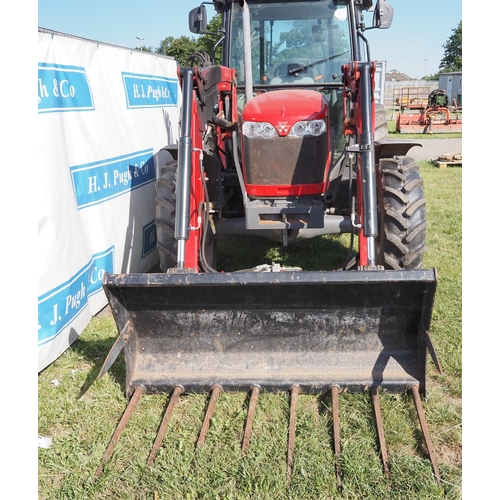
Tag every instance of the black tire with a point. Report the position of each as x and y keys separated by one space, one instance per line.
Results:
x=381 y=129
x=401 y=240
x=165 y=224
x=165 y=216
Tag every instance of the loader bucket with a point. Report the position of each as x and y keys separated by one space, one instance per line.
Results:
x=353 y=330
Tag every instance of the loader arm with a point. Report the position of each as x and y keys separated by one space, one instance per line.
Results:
x=359 y=79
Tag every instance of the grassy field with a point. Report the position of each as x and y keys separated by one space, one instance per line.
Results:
x=80 y=413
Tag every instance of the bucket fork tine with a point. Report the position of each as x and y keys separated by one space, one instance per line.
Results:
x=164 y=424
x=380 y=429
x=336 y=432
x=251 y=413
x=119 y=429
x=425 y=430
x=216 y=390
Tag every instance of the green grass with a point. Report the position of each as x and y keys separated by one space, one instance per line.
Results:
x=81 y=413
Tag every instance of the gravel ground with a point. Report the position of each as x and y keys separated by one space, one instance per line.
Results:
x=432 y=148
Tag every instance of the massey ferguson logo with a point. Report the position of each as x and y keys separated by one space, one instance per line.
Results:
x=283 y=128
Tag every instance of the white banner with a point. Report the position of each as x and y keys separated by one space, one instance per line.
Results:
x=104 y=115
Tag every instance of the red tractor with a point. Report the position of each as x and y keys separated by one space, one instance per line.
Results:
x=283 y=140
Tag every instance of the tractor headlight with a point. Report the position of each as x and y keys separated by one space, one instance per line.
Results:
x=259 y=129
x=312 y=127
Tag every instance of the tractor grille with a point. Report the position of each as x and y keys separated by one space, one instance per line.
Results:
x=285 y=161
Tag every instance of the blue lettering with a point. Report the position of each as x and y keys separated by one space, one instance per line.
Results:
x=69 y=88
x=155 y=91
x=60 y=306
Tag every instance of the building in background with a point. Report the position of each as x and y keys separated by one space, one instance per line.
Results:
x=396 y=76
x=452 y=84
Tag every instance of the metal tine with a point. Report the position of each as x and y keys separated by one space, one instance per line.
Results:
x=216 y=390
x=119 y=429
x=251 y=413
x=336 y=432
x=425 y=430
x=164 y=424
x=380 y=429
x=291 y=431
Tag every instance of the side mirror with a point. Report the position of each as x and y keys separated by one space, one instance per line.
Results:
x=382 y=17
x=198 y=20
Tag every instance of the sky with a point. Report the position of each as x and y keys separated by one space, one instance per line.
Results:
x=413 y=45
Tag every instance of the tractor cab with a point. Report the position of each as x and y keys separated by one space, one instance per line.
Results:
x=298 y=43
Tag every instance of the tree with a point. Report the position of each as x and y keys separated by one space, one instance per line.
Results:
x=179 y=48
x=144 y=49
x=432 y=78
x=207 y=42
x=183 y=47
x=452 y=59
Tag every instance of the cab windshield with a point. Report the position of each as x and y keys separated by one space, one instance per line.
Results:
x=299 y=42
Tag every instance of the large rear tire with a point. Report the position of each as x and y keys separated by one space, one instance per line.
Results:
x=381 y=127
x=165 y=216
x=401 y=240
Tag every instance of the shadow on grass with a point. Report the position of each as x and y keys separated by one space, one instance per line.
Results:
x=94 y=352
x=316 y=254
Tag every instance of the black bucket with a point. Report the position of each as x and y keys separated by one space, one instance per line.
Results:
x=351 y=329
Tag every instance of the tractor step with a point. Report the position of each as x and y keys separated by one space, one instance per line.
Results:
x=295 y=390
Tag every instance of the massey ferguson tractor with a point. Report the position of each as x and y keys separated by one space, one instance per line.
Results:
x=284 y=140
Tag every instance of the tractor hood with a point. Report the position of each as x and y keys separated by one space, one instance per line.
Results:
x=283 y=108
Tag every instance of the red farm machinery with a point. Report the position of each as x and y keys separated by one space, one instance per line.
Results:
x=437 y=116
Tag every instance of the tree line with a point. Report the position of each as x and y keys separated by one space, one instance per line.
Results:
x=183 y=47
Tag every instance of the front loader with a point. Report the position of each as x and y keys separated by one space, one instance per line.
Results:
x=284 y=140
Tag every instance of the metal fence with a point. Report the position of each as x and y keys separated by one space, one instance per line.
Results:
x=408 y=92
